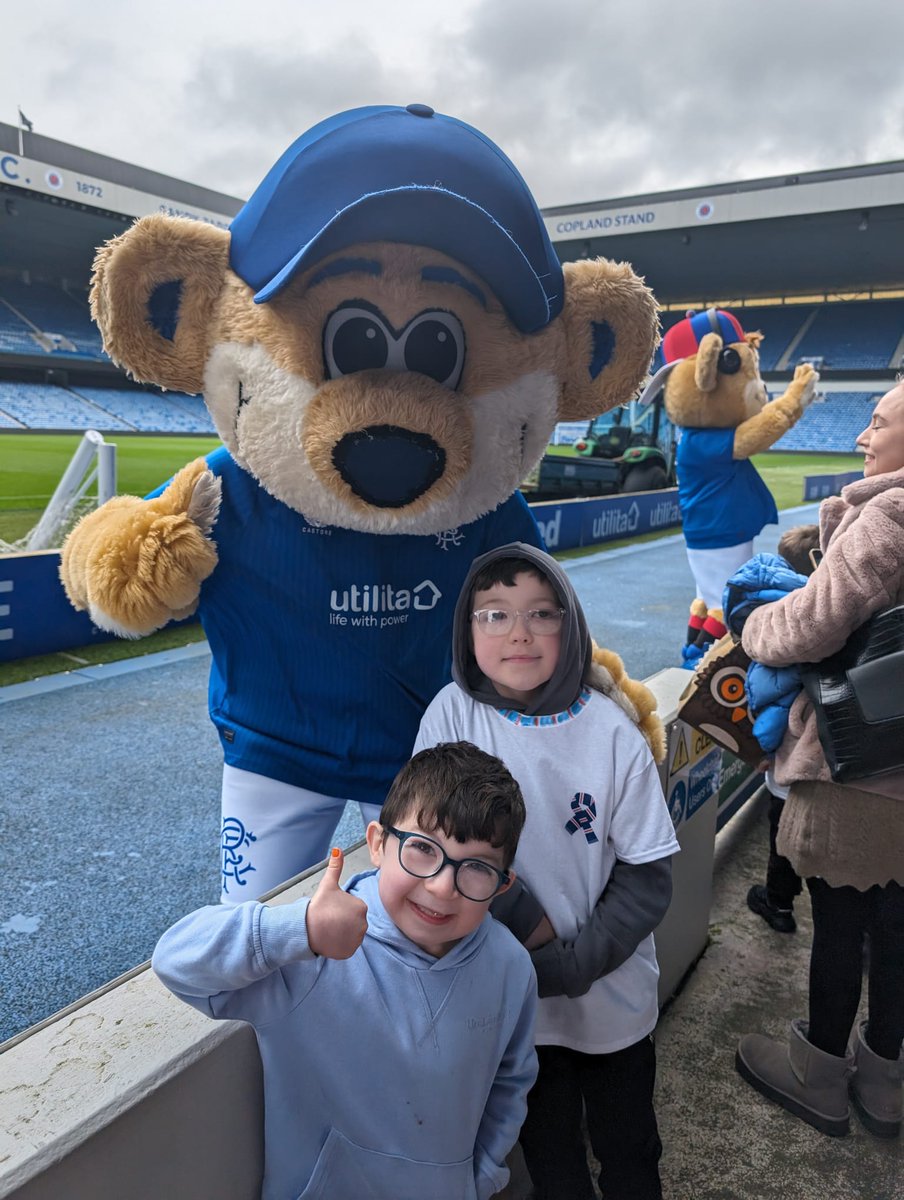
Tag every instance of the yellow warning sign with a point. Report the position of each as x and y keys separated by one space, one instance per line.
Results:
x=681 y=757
x=702 y=744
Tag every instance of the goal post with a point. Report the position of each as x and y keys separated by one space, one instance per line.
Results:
x=94 y=461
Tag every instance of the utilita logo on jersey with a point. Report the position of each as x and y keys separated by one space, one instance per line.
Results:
x=380 y=605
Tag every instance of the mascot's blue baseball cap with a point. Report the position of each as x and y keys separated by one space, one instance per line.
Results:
x=385 y=173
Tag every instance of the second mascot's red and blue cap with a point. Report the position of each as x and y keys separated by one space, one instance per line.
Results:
x=683 y=339
x=410 y=175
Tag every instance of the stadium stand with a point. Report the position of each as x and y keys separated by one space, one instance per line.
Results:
x=149 y=412
x=847 y=335
x=7 y=421
x=44 y=406
x=41 y=317
x=779 y=325
x=15 y=336
x=831 y=425
x=854 y=335
x=196 y=408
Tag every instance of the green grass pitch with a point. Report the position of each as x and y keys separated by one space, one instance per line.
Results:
x=31 y=465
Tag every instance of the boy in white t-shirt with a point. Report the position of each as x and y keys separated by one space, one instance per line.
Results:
x=594 y=856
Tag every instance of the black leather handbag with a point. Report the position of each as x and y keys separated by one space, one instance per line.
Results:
x=858 y=698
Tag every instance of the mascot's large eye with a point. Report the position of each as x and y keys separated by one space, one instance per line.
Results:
x=434 y=345
x=729 y=361
x=354 y=340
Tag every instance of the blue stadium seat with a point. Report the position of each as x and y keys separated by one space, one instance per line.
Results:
x=855 y=334
x=831 y=426
x=16 y=337
x=41 y=318
x=43 y=406
x=7 y=421
x=150 y=412
x=779 y=325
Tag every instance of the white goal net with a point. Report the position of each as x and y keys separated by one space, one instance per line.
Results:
x=88 y=481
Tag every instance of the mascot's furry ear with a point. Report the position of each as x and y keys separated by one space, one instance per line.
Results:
x=611 y=330
x=706 y=371
x=152 y=295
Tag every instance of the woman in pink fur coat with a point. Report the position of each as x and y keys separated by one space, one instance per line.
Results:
x=847 y=841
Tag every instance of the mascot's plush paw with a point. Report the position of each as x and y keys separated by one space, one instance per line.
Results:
x=804 y=384
x=136 y=564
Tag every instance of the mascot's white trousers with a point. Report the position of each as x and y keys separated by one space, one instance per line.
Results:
x=273 y=830
x=712 y=569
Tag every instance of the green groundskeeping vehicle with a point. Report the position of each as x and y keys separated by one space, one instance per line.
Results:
x=631 y=449
x=641 y=440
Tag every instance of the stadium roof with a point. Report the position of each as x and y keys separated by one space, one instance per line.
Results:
x=820 y=232
x=830 y=233
x=59 y=202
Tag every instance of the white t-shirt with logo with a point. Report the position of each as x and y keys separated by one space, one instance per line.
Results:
x=592 y=794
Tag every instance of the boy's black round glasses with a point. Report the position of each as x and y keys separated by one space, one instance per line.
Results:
x=499 y=622
x=423 y=857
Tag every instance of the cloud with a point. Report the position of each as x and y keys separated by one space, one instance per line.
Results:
x=591 y=99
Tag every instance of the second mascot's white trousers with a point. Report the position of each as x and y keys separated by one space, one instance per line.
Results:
x=272 y=831
x=711 y=569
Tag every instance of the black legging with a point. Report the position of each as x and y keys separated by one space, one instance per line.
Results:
x=841 y=916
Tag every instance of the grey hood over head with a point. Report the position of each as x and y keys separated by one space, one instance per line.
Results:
x=575 y=646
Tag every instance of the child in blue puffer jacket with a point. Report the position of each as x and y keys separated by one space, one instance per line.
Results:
x=771 y=692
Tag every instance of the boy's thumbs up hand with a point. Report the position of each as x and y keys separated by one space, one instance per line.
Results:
x=336 y=921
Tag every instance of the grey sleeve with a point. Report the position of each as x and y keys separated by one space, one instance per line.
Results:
x=518 y=910
x=633 y=903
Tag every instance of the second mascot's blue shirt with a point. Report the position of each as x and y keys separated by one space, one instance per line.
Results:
x=723 y=500
x=328 y=644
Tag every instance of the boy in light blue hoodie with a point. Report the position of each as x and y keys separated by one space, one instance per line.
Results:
x=394 y=1016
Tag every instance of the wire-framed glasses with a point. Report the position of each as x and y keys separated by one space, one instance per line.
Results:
x=423 y=857
x=499 y=622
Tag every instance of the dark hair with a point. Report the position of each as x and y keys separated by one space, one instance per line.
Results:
x=468 y=794
x=795 y=545
x=504 y=570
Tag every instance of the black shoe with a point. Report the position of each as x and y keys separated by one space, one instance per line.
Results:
x=781 y=919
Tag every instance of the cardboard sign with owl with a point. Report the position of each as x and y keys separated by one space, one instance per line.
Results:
x=715 y=701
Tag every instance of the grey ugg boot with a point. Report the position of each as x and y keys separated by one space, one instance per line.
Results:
x=806 y=1081
x=876 y=1089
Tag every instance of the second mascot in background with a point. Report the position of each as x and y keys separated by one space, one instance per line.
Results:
x=715 y=395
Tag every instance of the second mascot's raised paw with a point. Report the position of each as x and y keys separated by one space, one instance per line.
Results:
x=807 y=377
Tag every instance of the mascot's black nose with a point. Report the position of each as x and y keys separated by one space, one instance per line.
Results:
x=387 y=466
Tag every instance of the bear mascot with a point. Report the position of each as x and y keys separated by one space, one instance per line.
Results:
x=385 y=340
x=714 y=394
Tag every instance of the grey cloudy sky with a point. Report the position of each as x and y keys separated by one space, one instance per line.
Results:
x=592 y=99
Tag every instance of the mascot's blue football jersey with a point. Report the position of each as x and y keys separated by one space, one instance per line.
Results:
x=723 y=500
x=328 y=644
